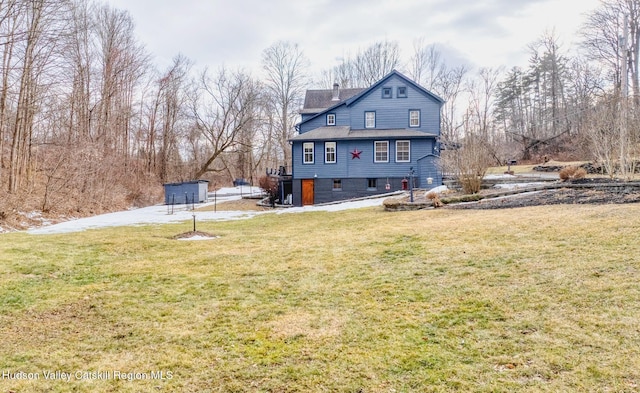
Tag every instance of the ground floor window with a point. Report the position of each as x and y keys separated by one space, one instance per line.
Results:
x=381 y=150
x=307 y=157
x=403 y=151
x=337 y=184
x=372 y=184
x=330 y=152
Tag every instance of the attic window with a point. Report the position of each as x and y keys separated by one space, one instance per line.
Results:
x=331 y=119
x=402 y=92
x=414 y=118
x=386 y=92
x=369 y=119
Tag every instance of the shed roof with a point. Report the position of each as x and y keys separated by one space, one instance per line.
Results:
x=186 y=182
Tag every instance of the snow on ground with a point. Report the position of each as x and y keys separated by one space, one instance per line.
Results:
x=527 y=176
x=438 y=190
x=198 y=237
x=161 y=214
x=515 y=186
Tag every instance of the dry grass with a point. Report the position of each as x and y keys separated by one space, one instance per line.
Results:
x=238 y=205
x=539 y=299
x=572 y=172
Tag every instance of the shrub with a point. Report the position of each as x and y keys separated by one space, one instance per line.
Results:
x=471 y=184
x=572 y=172
x=270 y=186
x=468 y=162
x=435 y=199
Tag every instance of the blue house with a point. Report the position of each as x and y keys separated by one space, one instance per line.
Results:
x=360 y=142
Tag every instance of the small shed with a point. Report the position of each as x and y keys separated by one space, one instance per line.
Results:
x=194 y=191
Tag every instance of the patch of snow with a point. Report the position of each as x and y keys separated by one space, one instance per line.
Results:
x=502 y=197
x=438 y=189
x=33 y=215
x=540 y=175
x=515 y=186
x=499 y=176
x=240 y=190
x=159 y=214
x=335 y=207
x=198 y=237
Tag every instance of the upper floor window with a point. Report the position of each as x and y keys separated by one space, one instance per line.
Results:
x=307 y=153
x=414 y=118
x=369 y=120
x=381 y=151
x=386 y=92
x=329 y=152
x=331 y=119
x=402 y=92
x=403 y=151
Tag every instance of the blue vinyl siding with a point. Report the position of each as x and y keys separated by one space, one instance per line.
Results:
x=342 y=119
x=390 y=113
x=394 y=113
x=364 y=167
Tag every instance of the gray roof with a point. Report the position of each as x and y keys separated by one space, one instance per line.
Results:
x=332 y=133
x=315 y=101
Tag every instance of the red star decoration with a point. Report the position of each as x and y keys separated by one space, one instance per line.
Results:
x=355 y=154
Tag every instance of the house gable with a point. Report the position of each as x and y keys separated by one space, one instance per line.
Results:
x=385 y=81
x=391 y=111
x=394 y=112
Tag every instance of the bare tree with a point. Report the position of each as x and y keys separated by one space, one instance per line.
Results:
x=38 y=42
x=429 y=69
x=376 y=61
x=479 y=115
x=166 y=111
x=80 y=51
x=366 y=68
x=604 y=134
x=451 y=87
x=222 y=108
x=604 y=34
x=344 y=74
x=426 y=65
x=123 y=63
x=285 y=68
x=10 y=16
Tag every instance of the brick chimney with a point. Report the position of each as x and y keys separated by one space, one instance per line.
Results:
x=336 y=92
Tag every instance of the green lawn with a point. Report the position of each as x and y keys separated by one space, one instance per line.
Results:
x=542 y=299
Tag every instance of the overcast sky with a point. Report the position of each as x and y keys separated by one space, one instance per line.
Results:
x=486 y=33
